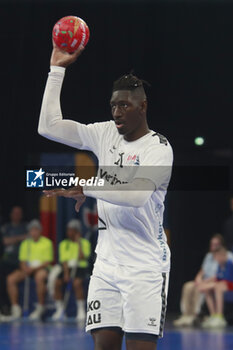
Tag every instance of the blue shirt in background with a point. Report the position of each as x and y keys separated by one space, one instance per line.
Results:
x=225 y=272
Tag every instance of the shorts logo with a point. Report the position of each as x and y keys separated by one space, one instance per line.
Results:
x=152 y=322
x=93 y=305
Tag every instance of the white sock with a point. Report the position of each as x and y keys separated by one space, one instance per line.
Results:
x=15 y=307
x=59 y=304
x=81 y=305
x=40 y=306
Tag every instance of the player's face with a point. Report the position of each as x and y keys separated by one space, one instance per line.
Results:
x=35 y=233
x=71 y=233
x=16 y=214
x=215 y=244
x=128 y=112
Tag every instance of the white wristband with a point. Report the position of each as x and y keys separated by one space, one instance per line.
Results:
x=57 y=69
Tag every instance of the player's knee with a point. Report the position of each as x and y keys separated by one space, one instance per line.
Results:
x=141 y=341
x=189 y=285
x=219 y=287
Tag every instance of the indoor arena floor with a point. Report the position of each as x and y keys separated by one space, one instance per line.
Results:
x=48 y=336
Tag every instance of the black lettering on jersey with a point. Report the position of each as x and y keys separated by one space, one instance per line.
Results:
x=162 y=139
x=120 y=160
x=104 y=226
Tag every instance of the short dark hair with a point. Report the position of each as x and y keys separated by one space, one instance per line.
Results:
x=130 y=82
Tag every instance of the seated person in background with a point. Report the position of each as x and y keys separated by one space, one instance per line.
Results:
x=12 y=234
x=227 y=229
x=73 y=255
x=191 y=298
x=35 y=256
x=215 y=288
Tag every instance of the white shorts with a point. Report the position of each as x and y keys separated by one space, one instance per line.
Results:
x=128 y=297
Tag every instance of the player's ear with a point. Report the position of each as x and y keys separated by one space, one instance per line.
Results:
x=144 y=105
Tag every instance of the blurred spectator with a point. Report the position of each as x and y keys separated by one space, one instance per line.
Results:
x=228 y=228
x=215 y=288
x=35 y=255
x=1 y=248
x=73 y=255
x=191 y=299
x=12 y=234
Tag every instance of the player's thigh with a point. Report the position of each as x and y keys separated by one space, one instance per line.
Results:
x=16 y=276
x=104 y=305
x=107 y=338
x=41 y=276
x=145 y=301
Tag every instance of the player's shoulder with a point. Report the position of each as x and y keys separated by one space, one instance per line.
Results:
x=156 y=142
x=63 y=242
x=24 y=242
x=45 y=240
x=208 y=256
x=157 y=139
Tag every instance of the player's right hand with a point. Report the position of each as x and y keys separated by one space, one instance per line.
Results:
x=64 y=59
x=75 y=192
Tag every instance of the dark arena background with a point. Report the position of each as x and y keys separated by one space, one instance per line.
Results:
x=184 y=49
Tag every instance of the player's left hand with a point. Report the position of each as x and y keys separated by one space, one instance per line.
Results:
x=73 y=192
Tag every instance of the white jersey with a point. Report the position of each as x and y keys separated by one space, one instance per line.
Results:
x=128 y=235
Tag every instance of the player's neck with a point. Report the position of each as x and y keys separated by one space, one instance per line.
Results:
x=137 y=134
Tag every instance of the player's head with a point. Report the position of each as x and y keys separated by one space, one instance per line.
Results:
x=73 y=229
x=16 y=214
x=216 y=242
x=129 y=104
x=34 y=229
x=221 y=255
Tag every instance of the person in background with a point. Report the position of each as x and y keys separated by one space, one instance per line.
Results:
x=35 y=256
x=12 y=234
x=74 y=252
x=215 y=288
x=1 y=248
x=227 y=229
x=192 y=297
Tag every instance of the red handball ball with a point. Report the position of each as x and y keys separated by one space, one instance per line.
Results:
x=70 y=32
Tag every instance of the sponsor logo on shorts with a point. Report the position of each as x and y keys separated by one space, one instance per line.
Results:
x=94 y=317
x=152 y=321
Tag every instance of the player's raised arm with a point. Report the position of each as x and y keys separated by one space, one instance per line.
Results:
x=51 y=122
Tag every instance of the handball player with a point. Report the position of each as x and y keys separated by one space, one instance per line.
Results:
x=129 y=284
